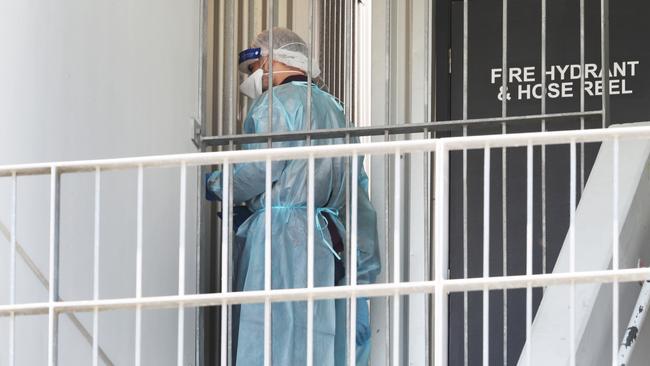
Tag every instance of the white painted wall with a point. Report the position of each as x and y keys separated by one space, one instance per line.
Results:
x=98 y=79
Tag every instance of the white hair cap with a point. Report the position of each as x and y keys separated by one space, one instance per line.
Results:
x=288 y=48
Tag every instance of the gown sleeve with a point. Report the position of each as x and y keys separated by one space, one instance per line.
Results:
x=249 y=179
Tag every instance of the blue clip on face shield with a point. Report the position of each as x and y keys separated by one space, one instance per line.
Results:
x=247 y=57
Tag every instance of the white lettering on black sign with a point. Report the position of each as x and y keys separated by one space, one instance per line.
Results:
x=563 y=81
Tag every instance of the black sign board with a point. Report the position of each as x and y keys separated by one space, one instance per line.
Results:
x=630 y=102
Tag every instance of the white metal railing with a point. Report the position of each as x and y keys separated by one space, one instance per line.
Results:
x=439 y=285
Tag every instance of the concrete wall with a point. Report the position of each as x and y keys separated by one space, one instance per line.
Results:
x=100 y=79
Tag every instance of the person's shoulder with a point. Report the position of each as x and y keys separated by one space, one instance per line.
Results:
x=329 y=99
x=294 y=89
x=290 y=96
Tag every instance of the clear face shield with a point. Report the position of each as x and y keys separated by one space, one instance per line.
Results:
x=252 y=85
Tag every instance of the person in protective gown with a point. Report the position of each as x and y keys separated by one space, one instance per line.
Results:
x=289 y=215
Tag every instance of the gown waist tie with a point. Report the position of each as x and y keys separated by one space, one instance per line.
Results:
x=320 y=212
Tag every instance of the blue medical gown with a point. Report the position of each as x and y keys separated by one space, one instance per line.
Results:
x=289 y=234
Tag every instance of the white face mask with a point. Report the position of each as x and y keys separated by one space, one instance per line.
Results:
x=252 y=86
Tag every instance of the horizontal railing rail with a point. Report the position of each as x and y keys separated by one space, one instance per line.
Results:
x=242 y=156
x=333 y=292
x=396 y=129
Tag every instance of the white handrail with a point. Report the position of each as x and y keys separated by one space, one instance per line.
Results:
x=240 y=156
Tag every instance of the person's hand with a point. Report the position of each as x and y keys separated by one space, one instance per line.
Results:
x=212 y=185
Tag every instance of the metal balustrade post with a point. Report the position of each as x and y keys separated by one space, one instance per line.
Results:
x=181 y=261
x=12 y=269
x=138 y=266
x=615 y=248
x=226 y=218
x=55 y=220
x=95 y=345
x=486 y=254
x=441 y=249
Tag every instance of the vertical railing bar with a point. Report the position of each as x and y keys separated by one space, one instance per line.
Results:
x=230 y=37
x=387 y=189
x=53 y=317
x=388 y=61
x=310 y=48
x=543 y=61
x=582 y=92
x=337 y=50
x=225 y=258
x=227 y=275
x=604 y=59
x=243 y=26
x=236 y=26
x=428 y=324
x=338 y=16
x=465 y=116
x=504 y=55
x=572 y=252
x=199 y=240
x=268 y=208
x=97 y=223
x=252 y=21
x=615 y=250
x=229 y=258
x=427 y=67
x=529 y=250
x=397 y=256
x=543 y=128
x=138 y=266
x=200 y=204
x=331 y=19
x=486 y=252
x=465 y=223
x=356 y=59
x=270 y=63
x=349 y=12
x=543 y=198
x=343 y=51
x=504 y=250
x=326 y=55
x=441 y=252
x=465 y=54
x=428 y=263
x=504 y=177
x=311 y=216
x=347 y=239
x=387 y=87
x=12 y=269
x=181 y=261
x=268 y=357
x=347 y=97
x=220 y=64
x=353 y=260
x=233 y=71
x=465 y=259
